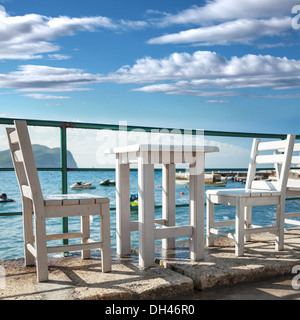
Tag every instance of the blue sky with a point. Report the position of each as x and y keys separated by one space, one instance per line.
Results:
x=217 y=65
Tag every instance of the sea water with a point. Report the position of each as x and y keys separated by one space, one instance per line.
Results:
x=11 y=227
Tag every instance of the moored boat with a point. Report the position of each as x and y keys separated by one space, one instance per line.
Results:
x=4 y=198
x=134 y=201
x=82 y=186
x=108 y=182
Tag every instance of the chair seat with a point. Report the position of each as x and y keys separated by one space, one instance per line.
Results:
x=73 y=199
x=241 y=192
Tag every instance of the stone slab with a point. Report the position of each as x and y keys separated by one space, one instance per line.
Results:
x=71 y=278
x=221 y=267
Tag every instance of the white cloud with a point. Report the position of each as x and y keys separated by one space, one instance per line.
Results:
x=217 y=101
x=226 y=10
x=29 y=36
x=37 y=78
x=183 y=72
x=225 y=21
x=208 y=74
x=41 y=96
x=240 y=30
x=58 y=56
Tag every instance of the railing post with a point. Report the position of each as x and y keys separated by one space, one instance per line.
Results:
x=64 y=172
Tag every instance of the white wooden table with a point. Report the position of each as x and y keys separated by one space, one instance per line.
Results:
x=145 y=156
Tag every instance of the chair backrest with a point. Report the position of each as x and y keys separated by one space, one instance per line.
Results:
x=293 y=184
x=280 y=159
x=23 y=161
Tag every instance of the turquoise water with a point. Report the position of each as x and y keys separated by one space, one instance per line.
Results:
x=11 y=227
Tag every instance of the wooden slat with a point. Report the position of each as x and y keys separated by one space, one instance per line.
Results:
x=261 y=229
x=272 y=145
x=73 y=199
x=293 y=183
x=62 y=236
x=173 y=232
x=160 y=221
x=74 y=247
x=295 y=160
x=272 y=158
x=296 y=147
x=252 y=164
x=264 y=185
x=291 y=221
x=72 y=210
x=292 y=214
x=13 y=136
x=134 y=225
x=262 y=201
x=18 y=156
x=26 y=192
x=31 y=249
x=223 y=223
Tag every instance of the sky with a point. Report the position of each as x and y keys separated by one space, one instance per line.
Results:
x=216 y=65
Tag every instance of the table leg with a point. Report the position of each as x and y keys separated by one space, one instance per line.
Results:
x=123 y=208
x=146 y=214
x=197 y=209
x=168 y=208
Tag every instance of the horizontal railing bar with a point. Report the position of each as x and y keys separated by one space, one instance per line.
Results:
x=99 y=126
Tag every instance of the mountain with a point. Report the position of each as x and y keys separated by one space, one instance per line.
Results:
x=44 y=157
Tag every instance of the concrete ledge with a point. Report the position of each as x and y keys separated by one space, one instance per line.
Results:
x=221 y=267
x=71 y=278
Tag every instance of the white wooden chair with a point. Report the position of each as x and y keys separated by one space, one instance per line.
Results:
x=255 y=193
x=53 y=206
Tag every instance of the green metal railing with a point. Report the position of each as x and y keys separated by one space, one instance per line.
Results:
x=78 y=125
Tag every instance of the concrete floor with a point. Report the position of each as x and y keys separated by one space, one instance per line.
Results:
x=262 y=273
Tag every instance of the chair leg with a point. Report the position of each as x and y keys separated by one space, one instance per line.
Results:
x=168 y=210
x=105 y=236
x=197 y=212
x=85 y=230
x=239 y=228
x=279 y=244
x=41 y=245
x=210 y=213
x=28 y=231
x=248 y=221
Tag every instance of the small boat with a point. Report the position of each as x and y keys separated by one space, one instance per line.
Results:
x=82 y=186
x=3 y=198
x=108 y=182
x=134 y=201
x=216 y=184
x=211 y=180
x=182 y=181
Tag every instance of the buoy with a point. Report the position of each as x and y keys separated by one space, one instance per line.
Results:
x=182 y=193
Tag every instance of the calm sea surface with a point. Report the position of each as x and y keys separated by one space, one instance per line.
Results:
x=11 y=227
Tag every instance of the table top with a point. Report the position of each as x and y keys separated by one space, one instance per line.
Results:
x=161 y=148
